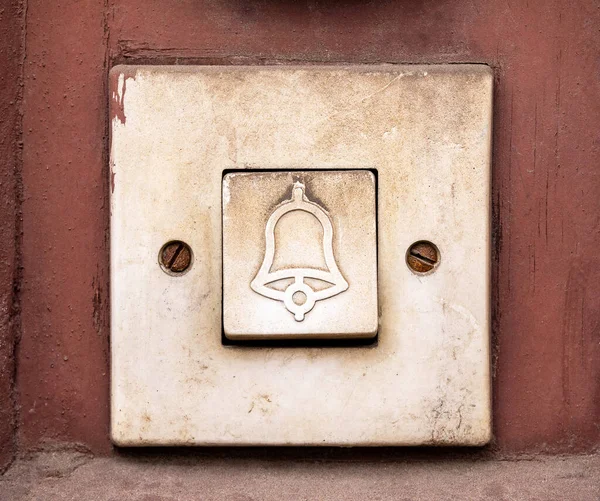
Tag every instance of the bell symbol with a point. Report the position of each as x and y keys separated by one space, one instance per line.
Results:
x=299 y=297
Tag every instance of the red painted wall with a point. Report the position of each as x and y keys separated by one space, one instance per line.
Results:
x=11 y=59
x=546 y=183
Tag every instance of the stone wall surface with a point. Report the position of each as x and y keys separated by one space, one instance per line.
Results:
x=546 y=185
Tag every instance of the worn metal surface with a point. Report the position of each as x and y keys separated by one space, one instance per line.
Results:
x=269 y=254
x=427 y=132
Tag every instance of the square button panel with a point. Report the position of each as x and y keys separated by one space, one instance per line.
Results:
x=299 y=255
x=177 y=131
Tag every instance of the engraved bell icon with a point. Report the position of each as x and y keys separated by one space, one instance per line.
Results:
x=294 y=257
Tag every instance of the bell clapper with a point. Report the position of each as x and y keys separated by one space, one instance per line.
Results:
x=299 y=288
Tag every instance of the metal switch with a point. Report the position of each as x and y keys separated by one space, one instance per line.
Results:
x=299 y=255
x=311 y=202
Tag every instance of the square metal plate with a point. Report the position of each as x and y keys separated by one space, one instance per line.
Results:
x=311 y=234
x=426 y=130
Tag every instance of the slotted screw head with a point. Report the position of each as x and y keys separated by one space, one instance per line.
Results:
x=422 y=257
x=175 y=257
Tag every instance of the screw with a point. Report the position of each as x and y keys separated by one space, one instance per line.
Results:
x=175 y=257
x=422 y=256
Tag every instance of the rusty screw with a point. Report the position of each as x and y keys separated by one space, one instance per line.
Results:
x=175 y=257
x=422 y=257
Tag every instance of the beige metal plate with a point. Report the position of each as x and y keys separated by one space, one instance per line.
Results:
x=425 y=130
x=300 y=255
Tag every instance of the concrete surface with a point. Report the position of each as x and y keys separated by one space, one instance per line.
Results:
x=146 y=477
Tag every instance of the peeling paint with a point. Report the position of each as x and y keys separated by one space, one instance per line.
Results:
x=112 y=178
x=117 y=106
